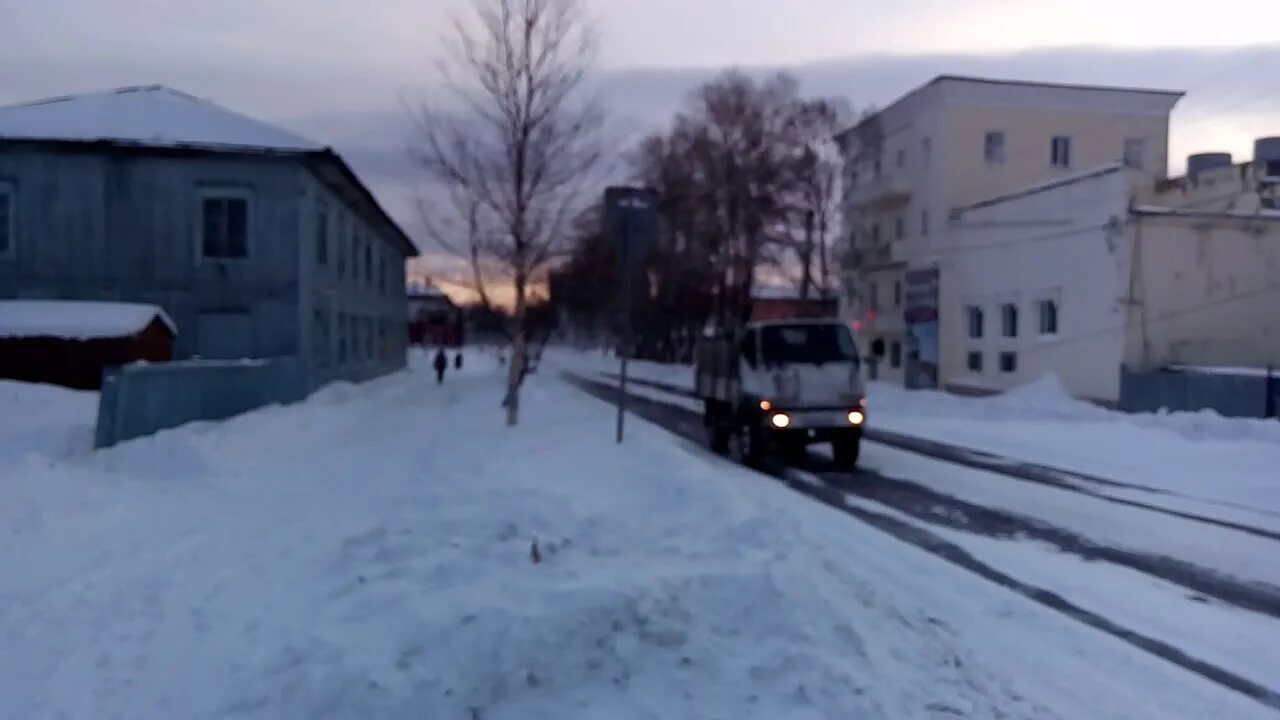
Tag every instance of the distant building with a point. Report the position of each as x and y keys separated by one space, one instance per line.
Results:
x=1109 y=268
x=953 y=142
x=255 y=241
x=434 y=319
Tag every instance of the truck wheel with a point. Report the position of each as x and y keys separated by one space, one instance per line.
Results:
x=750 y=450
x=718 y=438
x=845 y=452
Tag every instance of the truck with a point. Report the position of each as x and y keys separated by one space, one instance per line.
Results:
x=781 y=386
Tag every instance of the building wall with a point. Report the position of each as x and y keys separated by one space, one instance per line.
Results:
x=1056 y=245
x=1097 y=138
x=1207 y=292
x=120 y=226
x=353 y=317
x=951 y=118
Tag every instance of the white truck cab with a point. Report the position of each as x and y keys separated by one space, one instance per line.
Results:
x=783 y=384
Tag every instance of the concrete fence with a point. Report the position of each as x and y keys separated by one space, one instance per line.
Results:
x=139 y=400
x=1241 y=393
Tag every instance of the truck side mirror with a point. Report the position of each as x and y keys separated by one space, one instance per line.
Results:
x=877 y=348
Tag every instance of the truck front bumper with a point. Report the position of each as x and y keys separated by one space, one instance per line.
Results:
x=810 y=426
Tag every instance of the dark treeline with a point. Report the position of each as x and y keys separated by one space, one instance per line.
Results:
x=749 y=175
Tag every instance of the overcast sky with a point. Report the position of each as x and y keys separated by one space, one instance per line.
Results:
x=340 y=71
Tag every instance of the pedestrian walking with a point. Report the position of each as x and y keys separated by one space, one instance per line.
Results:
x=457 y=361
x=440 y=363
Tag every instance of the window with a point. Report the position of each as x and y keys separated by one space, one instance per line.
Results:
x=975 y=362
x=1048 y=317
x=902 y=158
x=368 y=338
x=355 y=254
x=1060 y=151
x=368 y=264
x=974 y=315
x=1008 y=362
x=6 y=221
x=320 y=336
x=895 y=354
x=224 y=225
x=1134 y=150
x=924 y=223
x=897 y=294
x=899 y=227
x=384 y=350
x=342 y=339
x=340 y=248
x=322 y=234
x=806 y=344
x=926 y=149
x=873 y=296
x=875 y=168
x=382 y=275
x=1271 y=169
x=993 y=146
x=875 y=233
x=1009 y=320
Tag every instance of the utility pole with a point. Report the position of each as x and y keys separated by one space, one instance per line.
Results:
x=632 y=219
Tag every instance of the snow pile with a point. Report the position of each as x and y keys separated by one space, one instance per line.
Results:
x=152 y=115
x=1048 y=399
x=390 y=550
x=44 y=422
x=77 y=319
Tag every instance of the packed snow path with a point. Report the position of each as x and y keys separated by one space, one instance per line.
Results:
x=390 y=550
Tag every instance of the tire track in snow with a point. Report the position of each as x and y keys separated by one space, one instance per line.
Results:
x=1026 y=471
x=932 y=507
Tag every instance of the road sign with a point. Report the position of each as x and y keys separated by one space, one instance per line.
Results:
x=631 y=215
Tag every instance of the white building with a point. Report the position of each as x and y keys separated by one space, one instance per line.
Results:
x=953 y=142
x=1083 y=274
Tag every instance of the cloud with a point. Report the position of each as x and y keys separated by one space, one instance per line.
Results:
x=1226 y=106
x=345 y=75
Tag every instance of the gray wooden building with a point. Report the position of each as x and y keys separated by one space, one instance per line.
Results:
x=257 y=242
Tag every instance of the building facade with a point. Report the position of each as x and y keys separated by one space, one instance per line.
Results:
x=953 y=142
x=258 y=243
x=1079 y=278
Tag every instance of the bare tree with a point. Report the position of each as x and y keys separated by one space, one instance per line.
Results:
x=516 y=141
x=815 y=190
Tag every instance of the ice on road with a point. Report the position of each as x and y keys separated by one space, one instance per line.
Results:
x=391 y=550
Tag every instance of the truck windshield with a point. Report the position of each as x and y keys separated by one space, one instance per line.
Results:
x=810 y=344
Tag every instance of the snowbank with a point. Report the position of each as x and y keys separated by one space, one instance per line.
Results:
x=1048 y=399
x=44 y=422
x=391 y=550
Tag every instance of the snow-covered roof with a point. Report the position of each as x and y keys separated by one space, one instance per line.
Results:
x=76 y=319
x=152 y=115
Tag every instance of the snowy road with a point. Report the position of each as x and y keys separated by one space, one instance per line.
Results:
x=390 y=550
x=1223 y=627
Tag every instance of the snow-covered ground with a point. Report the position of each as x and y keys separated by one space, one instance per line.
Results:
x=1225 y=467
x=370 y=553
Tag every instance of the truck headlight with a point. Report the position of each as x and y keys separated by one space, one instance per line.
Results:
x=856 y=417
x=780 y=420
